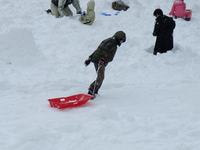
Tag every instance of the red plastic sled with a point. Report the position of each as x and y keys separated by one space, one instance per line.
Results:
x=70 y=101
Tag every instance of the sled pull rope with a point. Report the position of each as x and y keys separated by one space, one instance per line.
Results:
x=93 y=92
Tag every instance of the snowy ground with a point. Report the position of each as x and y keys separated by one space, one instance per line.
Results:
x=146 y=102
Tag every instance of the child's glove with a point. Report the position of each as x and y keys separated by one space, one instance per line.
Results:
x=79 y=12
x=87 y=62
x=83 y=14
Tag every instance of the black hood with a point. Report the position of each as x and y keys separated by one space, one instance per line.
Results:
x=120 y=35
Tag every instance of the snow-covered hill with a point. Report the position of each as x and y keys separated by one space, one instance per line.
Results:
x=146 y=102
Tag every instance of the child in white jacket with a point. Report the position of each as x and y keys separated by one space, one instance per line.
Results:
x=59 y=8
x=89 y=17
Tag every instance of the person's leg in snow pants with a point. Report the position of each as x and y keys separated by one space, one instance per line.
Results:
x=95 y=86
x=188 y=14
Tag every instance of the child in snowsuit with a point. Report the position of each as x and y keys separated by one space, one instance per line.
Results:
x=179 y=10
x=89 y=17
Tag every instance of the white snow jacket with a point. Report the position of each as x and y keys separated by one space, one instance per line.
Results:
x=61 y=4
x=90 y=15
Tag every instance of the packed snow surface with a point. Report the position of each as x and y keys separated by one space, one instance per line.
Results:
x=146 y=102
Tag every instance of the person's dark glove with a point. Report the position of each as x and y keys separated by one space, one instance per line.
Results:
x=83 y=14
x=87 y=62
x=48 y=11
x=101 y=61
x=79 y=12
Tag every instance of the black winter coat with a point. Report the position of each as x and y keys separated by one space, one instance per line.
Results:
x=163 y=29
x=108 y=48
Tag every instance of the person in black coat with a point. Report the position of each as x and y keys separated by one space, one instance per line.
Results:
x=163 y=30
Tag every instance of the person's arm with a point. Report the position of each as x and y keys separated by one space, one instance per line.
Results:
x=109 y=51
x=156 y=29
x=77 y=6
x=172 y=10
x=184 y=6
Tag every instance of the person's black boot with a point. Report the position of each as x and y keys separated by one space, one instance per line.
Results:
x=90 y=93
x=187 y=19
x=48 y=11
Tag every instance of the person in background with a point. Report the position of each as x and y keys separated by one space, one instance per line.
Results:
x=102 y=56
x=89 y=17
x=163 y=30
x=179 y=10
x=119 y=5
x=59 y=8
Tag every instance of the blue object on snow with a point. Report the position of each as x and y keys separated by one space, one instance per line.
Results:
x=105 y=14
x=117 y=13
